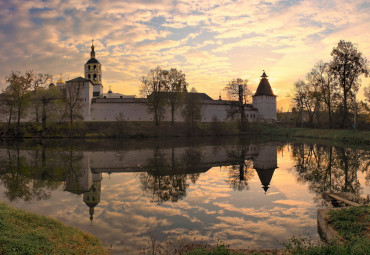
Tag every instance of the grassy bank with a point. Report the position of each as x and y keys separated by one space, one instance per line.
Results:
x=27 y=233
x=343 y=136
x=123 y=129
x=352 y=223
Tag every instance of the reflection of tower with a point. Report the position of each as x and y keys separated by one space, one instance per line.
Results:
x=92 y=197
x=265 y=164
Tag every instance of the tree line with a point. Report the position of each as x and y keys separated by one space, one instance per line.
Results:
x=36 y=97
x=328 y=93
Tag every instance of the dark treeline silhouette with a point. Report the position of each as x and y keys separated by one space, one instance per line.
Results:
x=327 y=97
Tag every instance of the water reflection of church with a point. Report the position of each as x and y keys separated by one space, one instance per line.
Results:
x=167 y=162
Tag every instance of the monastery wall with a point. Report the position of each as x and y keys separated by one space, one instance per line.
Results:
x=135 y=109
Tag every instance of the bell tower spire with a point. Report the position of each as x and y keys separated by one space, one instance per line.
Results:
x=92 y=53
x=93 y=72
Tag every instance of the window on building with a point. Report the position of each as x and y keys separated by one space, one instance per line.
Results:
x=89 y=76
x=94 y=76
x=94 y=67
x=88 y=67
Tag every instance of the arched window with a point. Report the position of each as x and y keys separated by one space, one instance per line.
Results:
x=94 y=67
x=89 y=76
x=88 y=67
x=94 y=76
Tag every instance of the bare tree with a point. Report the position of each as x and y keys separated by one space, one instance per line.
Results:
x=46 y=99
x=39 y=81
x=347 y=65
x=73 y=101
x=177 y=85
x=152 y=86
x=237 y=92
x=328 y=87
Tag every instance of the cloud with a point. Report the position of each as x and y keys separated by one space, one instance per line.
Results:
x=218 y=40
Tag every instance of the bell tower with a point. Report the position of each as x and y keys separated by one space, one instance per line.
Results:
x=93 y=72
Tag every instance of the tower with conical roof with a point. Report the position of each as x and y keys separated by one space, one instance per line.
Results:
x=93 y=72
x=265 y=100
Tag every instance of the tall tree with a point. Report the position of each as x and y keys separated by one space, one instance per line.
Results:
x=347 y=65
x=19 y=88
x=327 y=87
x=192 y=109
x=39 y=81
x=237 y=91
x=152 y=86
x=7 y=103
x=177 y=85
x=73 y=101
x=46 y=99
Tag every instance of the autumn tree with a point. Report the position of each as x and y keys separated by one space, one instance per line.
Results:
x=237 y=92
x=18 y=92
x=152 y=87
x=7 y=103
x=177 y=85
x=347 y=66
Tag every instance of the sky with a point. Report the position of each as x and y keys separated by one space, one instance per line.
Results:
x=212 y=42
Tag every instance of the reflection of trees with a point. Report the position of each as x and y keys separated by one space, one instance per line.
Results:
x=73 y=170
x=168 y=182
x=328 y=168
x=27 y=176
x=240 y=171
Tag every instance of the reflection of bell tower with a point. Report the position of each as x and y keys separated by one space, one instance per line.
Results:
x=92 y=197
x=265 y=164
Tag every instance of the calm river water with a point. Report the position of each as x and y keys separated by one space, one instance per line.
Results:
x=138 y=194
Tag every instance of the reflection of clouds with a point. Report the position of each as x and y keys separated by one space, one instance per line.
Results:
x=292 y=202
x=126 y=219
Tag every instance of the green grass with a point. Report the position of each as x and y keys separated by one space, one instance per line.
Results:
x=352 y=222
x=344 y=136
x=27 y=233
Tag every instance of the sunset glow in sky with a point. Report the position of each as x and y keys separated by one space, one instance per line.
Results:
x=212 y=42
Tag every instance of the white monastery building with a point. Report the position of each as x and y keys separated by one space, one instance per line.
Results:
x=99 y=106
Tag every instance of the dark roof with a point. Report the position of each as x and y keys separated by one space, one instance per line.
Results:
x=264 y=88
x=92 y=61
x=201 y=96
x=78 y=79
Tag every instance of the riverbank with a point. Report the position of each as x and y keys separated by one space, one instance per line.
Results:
x=27 y=233
x=141 y=129
x=341 y=137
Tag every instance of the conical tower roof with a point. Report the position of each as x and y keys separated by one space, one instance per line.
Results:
x=264 y=88
x=265 y=176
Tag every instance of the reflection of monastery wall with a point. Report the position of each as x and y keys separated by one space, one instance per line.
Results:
x=140 y=160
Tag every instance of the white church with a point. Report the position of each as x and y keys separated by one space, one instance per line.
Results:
x=100 y=106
